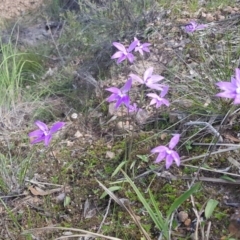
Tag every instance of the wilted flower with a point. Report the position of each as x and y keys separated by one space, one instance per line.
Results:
x=159 y=100
x=193 y=26
x=149 y=80
x=141 y=47
x=124 y=53
x=43 y=133
x=231 y=89
x=120 y=95
x=168 y=153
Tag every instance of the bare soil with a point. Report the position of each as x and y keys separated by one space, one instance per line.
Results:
x=12 y=9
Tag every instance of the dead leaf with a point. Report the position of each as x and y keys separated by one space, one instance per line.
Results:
x=87 y=212
x=39 y=192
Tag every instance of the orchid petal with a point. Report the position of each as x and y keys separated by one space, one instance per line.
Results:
x=153 y=95
x=155 y=86
x=226 y=95
x=147 y=74
x=55 y=127
x=153 y=101
x=117 y=55
x=36 y=133
x=42 y=126
x=176 y=158
x=160 y=157
x=169 y=161
x=164 y=91
x=47 y=140
x=113 y=90
x=174 y=141
x=119 y=46
x=112 y=97
x=159 y=149
x=156 y=78
x=130 y=57
x=37 y=140
x=137 y=78
x=146 y=44
x=127 y=86
x=236 y=99
x=132 y=45
x=139 y=50
x=229 y=86
x=118 y=103
x=122 y=58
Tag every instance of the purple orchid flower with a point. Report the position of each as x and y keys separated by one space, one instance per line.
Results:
x=133 y=108
x=159 y=100
x=43 y=133
x=120 y=95
x=231 y=89
x=124 y=53
x=193 y=26
x=141 y=47
x=168 y=153
x=149 y=79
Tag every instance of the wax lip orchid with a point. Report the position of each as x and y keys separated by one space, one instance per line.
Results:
x=120 y=95
x=231 y=89
x=124 y=53
x=43 y=133
x=149 y=79
x=141 y=47
x=193 y=26
x=133 y=108
x=168 y=153
x=159 y=100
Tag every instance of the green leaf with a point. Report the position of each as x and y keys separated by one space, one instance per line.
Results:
x=211 y=205
x=225 y=177
x=144 y=158
x=112 y=189
x=118 y=168
x=182 y=199
x=67 y=201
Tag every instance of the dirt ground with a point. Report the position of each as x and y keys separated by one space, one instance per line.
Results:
x=12 y=9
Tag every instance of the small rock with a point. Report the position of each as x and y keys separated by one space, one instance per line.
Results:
x=74 y=116
x=124 y=126
x=209 y=17
x=227 y=9
x=163 y=136
x=78 y=134
x=204 y=15
x=70 y=144
x=187 y=222
x=110 y=155
x=182 y=216
x=221 y=17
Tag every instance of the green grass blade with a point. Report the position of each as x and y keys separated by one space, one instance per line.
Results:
x=150 y=211
x=118 y=168
x=157 y=211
